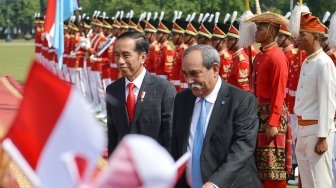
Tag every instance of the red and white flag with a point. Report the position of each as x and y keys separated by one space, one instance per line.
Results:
x=139 y=161
x=52 y=123
x=58 y=11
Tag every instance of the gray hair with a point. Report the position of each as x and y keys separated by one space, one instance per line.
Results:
x=209 y=54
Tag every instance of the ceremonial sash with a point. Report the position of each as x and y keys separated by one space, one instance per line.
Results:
x=104 y=46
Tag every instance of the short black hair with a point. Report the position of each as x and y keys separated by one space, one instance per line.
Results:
x=141 y=44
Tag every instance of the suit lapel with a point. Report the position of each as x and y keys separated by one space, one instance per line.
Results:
x=145 y=87
x=219 y=110
x=121 y=98
x=189 y=108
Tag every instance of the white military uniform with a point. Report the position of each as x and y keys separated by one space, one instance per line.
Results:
x=316 y=100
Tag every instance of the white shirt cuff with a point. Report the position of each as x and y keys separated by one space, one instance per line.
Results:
x=215 y=186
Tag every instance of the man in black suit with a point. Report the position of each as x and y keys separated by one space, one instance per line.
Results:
x=139 y=102
x=223 y=116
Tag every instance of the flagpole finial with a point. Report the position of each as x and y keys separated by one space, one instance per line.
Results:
x=258 y=10
x=247 y=5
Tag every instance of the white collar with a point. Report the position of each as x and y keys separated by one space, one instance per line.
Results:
x=315 y=54
x=138 y=81
x=211 y=98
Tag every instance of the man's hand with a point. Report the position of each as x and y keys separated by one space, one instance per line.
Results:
x=270 y=132
x=209 y=185
x=321 y=146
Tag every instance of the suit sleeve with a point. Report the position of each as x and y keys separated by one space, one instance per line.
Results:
x=111 y=131
x=245 y=128
x=174 y=146
x=165 y=133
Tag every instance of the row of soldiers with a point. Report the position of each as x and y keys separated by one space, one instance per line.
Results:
x=88 y=60
x=89 y=55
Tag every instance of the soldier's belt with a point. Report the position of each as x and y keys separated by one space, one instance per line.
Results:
x=306 y=122
x=175 y=82
x=243 y=80
x=291 y=93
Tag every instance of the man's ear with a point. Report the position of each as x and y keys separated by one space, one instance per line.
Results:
x=215 y=68
x=317 y=37
x=143 y=57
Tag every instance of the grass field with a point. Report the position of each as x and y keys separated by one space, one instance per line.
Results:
x=15 y=58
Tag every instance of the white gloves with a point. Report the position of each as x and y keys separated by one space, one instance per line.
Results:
x=93 y=58
x=85 y=43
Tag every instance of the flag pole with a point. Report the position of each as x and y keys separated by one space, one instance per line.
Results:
x=247 y=7
x=300 y=51
x=258 y=10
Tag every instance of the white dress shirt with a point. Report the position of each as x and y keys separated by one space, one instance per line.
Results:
x=316 y=94
x=210 y=101
x=137 y=83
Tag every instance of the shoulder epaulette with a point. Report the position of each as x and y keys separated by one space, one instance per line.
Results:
x=169 y=47
x=294 y=51
x=157 y=48
x=241 y=57
x=170 y=58
x=226 y=55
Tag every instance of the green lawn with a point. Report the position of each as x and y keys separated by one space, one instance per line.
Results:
x=16 y=57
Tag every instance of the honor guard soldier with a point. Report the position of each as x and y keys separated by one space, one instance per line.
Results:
x=190 y=34
x=219 y=42
x=114 y=74
x=123 y=25
x=285 y=40
x=205 y=31
x=240 y=67
x=154 y=46
x=178 y=30
x=164 y=64
x=87 y=27
x=98 y=36
x=99 y=63
x=39 y=29
x=269 y=79
x=75 y=63
x=134 y=24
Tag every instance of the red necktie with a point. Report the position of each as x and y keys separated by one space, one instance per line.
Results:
x=130 y=102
